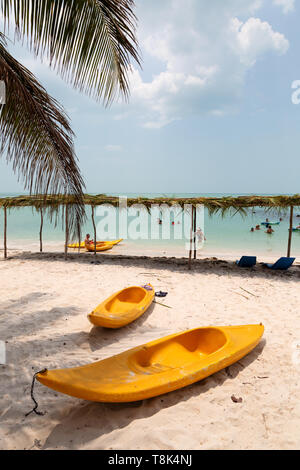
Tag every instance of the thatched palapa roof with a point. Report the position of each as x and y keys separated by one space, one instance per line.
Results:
x=52 y=204
x=213 y=204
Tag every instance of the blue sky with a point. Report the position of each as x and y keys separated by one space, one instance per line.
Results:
x=211 y=110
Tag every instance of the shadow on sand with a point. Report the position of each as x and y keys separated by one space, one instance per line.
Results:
x=203 y=265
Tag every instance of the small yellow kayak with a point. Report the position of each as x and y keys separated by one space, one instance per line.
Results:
x=76 y=245
x=113 y=242
x=82 y=244
x=157 y=367
x=123 y=307
x=103 y=247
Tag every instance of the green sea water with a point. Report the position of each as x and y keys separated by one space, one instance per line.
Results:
x=228 y=235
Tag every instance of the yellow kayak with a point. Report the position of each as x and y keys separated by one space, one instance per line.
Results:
x=103 y=247
x=82 y=244
x=157 y=367
x=123 y=307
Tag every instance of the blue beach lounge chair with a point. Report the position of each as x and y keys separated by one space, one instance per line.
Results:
x=281 y=263
x=246 y=261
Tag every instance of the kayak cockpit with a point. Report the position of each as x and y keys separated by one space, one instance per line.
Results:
x=182 y=350
x=126 y=299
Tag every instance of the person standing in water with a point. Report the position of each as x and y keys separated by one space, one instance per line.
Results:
x=200 y=235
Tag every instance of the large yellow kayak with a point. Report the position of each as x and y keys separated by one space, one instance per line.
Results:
x=123 y=307
x=103 y=247
x=157 y=367
x=82 y=244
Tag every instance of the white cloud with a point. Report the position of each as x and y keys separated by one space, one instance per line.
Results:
x=255 y=38
x=204 y=54
x=113 y=148
x=287 y=5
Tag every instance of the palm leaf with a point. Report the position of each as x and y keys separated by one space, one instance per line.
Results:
x=37 y=138
x=89 y=42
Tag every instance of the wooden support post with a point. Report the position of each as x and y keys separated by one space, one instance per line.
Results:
x=195 y=222
x=5 y=232
x=95 y=232
x=67 y=231
x=41 y=231
x=191 y=239
x=290 y=232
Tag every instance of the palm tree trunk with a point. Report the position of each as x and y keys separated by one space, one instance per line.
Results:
x=290 y=232
x=95 y=232
x=67 y=232
x=41 y=231
x=79 y=243
x=5 y=232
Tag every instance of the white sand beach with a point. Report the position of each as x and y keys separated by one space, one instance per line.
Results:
x=170 y=127
x=44 y=303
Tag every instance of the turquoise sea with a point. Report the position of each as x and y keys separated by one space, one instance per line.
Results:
x=224 y=236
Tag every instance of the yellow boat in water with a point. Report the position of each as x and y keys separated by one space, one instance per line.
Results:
x=82 y=244
x=123 y=307
x=157 y=367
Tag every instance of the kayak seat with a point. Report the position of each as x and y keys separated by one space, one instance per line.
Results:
x=184 y=349
x=127 y=298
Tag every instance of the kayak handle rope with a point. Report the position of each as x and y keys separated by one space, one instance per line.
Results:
x=34 y=409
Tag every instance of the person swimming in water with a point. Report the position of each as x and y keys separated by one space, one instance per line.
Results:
x=269 y=230
x=252 y=229
x=257 y=227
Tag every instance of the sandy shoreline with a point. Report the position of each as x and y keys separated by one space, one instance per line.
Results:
x=133 y=249
x=44 y=302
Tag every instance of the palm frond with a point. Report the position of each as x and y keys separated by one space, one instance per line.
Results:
x=36 y=136
x=89 y=42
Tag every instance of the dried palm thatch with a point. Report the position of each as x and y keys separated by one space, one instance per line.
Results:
x=213 y=204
